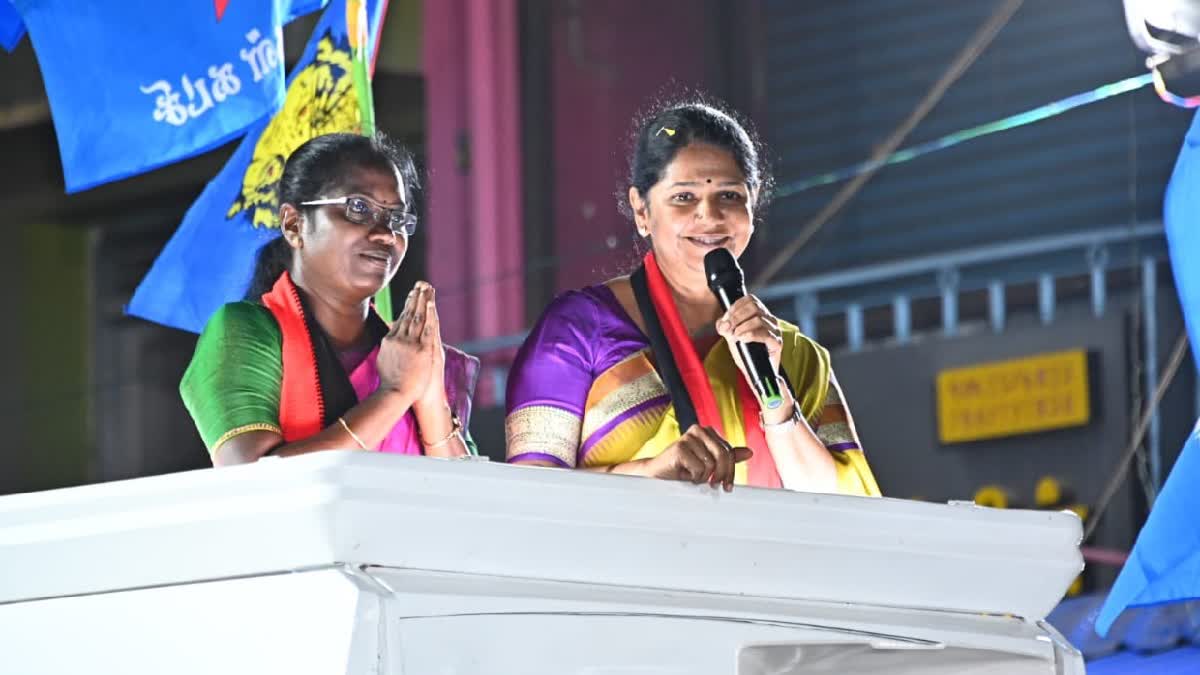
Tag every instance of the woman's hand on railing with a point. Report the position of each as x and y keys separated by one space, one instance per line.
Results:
x=699 y=456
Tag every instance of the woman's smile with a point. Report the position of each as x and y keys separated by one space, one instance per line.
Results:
x=708 y=242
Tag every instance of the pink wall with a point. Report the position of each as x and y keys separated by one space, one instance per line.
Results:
x=475 y=251
x=610 y=59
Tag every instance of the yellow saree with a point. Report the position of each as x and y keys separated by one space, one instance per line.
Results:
x=584 y=392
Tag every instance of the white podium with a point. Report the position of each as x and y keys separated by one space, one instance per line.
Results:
x=349 y=562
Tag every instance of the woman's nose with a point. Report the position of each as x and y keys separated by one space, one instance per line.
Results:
x=385 y=235
x=708 y=209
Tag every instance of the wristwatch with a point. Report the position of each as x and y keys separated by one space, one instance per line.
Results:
x=793 y=419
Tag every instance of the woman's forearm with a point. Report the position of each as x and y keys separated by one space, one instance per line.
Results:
x=801 y=458
x=435 y=422
x=368 y=422
x=635 y=467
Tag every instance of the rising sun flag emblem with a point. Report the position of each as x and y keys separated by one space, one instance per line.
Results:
x=320 y=100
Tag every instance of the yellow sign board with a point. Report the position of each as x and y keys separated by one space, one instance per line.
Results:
x=1008 y=398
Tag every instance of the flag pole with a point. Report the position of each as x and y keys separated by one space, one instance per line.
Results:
x=356 y=31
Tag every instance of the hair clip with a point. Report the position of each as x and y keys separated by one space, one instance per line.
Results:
x=670 y=131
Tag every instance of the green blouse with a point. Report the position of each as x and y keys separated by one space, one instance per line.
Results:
x=232 y=384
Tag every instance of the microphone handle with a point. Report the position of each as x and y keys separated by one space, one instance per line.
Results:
x=757 y=361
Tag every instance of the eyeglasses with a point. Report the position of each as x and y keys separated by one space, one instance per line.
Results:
x=362 y=211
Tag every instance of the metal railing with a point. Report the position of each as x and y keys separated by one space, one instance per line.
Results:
x=945 y=272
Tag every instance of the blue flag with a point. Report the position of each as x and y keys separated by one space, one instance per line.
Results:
x=1181 y=218
x=11 y=26
x=209 y=260
x=298 y=8
x=1164 y=565
x=137 y=84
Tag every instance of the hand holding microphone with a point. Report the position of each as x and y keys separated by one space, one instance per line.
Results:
x=750 y=328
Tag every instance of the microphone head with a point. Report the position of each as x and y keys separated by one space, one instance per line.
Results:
x=722 y=271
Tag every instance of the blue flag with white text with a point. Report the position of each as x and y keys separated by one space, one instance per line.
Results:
x=210 y=258
x=137 y=84
x=1164 y=565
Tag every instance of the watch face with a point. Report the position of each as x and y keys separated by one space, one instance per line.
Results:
x=794 y=418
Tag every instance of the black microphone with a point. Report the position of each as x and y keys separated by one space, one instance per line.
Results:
x=726 y=281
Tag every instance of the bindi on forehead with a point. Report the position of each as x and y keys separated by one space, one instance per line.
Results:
x=701 y=175
x=374 y=184
x=709 y=181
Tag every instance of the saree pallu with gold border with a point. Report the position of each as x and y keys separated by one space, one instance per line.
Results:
x=584 y=392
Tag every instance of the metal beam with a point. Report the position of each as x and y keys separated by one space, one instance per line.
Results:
x=1150 y=369
x=854 y=327
x=902 y=319
x=983 y=254
x=997 y=312
x=1046 y=298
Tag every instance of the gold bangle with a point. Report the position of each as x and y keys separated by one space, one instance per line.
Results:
x=456 y=427
x=352 y=434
